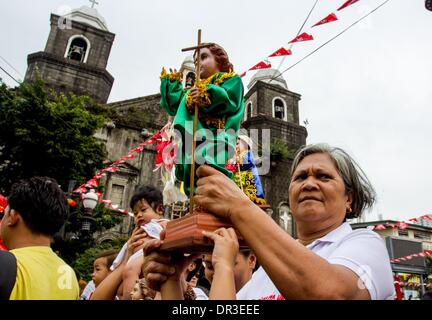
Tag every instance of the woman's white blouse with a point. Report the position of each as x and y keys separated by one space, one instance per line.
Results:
x=362 y=251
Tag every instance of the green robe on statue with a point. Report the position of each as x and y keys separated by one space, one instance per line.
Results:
x=220 y=112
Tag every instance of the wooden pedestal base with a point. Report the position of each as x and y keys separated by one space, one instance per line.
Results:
x=185 y=234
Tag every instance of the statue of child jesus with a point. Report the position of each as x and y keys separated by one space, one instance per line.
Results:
x=219 y=97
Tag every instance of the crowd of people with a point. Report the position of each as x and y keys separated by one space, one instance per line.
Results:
x=327 y=260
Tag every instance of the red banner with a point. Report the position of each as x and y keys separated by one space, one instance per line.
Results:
x=261 y=65
x=281 y=52
x=302 y=37
x=347 y=4
x=330 y=18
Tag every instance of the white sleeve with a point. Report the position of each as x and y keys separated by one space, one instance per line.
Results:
x=118 y=260
x=200 y=295
x=365 y=254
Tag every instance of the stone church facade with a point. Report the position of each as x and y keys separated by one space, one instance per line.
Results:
x=75 y=59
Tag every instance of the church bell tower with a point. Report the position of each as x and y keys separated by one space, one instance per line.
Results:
x=76 y=55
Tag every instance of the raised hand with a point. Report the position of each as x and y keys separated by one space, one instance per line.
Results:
x=226 y=248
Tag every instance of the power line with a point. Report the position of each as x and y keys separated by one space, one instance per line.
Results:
x=336 y=36
x=9 y=75
x=298 y=33
x=10 y=65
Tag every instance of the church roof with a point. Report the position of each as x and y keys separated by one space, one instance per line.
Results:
x=89 y=16
x=188 y=64
x=272 y=76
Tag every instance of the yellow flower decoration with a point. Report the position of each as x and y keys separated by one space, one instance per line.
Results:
x=173 y=76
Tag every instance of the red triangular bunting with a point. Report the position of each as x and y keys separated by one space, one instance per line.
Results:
x=380 y=227
x=261 y=65
x=281 y=52
x=347 y=4
x=303 y=37
x=330 y=18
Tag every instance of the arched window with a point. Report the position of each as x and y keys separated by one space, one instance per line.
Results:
x=190 y=80
x=248 y=111
x=78 y=48
x=279 y=109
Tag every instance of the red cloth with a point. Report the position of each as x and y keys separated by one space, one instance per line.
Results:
x=2 y=246
x=399 y=295
x=3 y=203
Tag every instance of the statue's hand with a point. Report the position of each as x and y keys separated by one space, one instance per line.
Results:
x=194 y=92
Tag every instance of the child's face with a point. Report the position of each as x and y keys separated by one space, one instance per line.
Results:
x=243 y=269
x=100 y=270
x=144 y=213
x=209 y=65
x=136 y=293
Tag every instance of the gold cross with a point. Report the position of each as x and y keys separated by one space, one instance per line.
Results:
x=197 y=49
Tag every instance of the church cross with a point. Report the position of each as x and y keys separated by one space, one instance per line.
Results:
x=285 y=218
x=93 y=2
x=197 y=49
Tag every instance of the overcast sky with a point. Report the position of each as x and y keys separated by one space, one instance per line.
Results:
x=369 y=91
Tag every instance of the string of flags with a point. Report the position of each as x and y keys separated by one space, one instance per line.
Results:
x=94 y=182
x=423 y=254
x=402 y=225
x=408 y=284
x=305 y=36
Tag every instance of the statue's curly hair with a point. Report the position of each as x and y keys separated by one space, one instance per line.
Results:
x=221 y=57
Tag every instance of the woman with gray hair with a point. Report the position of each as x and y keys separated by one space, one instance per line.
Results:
x=328 y=260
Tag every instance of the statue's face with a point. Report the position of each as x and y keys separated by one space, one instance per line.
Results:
x=208 y=62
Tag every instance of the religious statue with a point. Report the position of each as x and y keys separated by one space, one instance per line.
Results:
x=219 y=100
x=212 y=109
x=243 y=166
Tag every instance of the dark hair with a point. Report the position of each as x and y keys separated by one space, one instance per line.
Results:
x=246 y=253
x=196 y=270
x=355 y=180
x=221 y=57
x=41 y=203
x=110 y=255
x=150 y=194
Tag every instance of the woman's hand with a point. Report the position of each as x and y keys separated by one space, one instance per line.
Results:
x=160 y=267
x=157 y=266
x=136 y=241
x=226 y=248
x=218 y=194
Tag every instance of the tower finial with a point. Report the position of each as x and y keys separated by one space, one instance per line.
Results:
x=93 y=2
